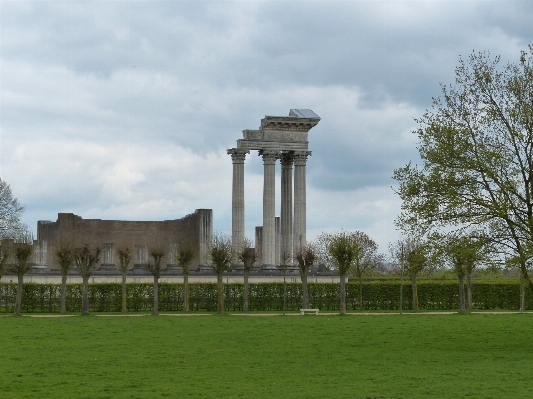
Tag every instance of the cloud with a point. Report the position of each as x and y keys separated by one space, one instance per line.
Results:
x=124 y=110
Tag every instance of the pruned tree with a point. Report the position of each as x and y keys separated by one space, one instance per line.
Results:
x=157 y=253
x=64 y=253
x=86 y=258
x=248 y=257
x=10 y=213
x=513 y=262
x=285 y=262
x=365 y=258
x=22 y=251
x=398 y=251
x=220 y=258
x=306 y=255
x=465 y=252
x=340 y=250
x=416 y=262
x=183 y=255
x=476 y=146
x=125 y=256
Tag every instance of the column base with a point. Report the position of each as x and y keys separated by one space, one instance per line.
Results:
x=268 y=267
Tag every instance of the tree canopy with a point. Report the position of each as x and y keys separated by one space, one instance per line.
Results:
x=10 y=212
x=476 y=146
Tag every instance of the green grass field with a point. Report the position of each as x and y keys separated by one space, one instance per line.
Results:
x=409 y=356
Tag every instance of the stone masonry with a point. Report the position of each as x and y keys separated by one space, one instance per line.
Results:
x=196 y=228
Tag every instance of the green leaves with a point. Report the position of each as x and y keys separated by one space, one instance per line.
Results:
x=476 y=144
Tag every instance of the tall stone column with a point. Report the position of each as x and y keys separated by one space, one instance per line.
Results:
x=277 y=228
x=269 y=208
x=237 y=197
x=286 y=208
x=300 y=160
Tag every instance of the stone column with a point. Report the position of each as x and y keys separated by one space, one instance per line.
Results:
x=286 y=208
x=237 y=200
x=278 y=241
x=259 y=243
x=300 y=160
x=269 y=208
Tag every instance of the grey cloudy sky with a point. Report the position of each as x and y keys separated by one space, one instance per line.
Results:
x=125 y=109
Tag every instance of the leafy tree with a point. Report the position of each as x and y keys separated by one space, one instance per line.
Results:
x=125 y=256
x=10 y=213
x=306 y=255
x=5 y=252
x=476 y=145
x=86 y=259
x=64 y=253
x=340 y=250
x=221 y=256
x=183 y=254
x=22 y=251
x=248 y=257
x=155 y=267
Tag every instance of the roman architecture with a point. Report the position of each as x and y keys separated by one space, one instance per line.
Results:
x=196 y=229
x=284 y=138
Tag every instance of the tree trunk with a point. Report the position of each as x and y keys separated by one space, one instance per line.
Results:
x=220 y=290
x=18 y=299
x=401 y=293
x=343 y=292
x=155 y=310
x=415 y=291
x=469 y=290
x=462 y=308
x=525 y=274
x=360 y=292
x=85 y=296
x=522 y=294
x=185 y=292
x=305 y=291
x=124 y=294
x=63 y=306
x=245 y=294
x=284 y=290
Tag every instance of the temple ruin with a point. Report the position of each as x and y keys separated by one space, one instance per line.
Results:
x=284 y=138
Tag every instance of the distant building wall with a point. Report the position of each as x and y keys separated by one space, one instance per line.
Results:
x=196 y=228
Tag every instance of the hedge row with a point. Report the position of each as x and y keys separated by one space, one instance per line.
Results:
x=45 y=298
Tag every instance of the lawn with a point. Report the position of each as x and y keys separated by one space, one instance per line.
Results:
x=355 y=356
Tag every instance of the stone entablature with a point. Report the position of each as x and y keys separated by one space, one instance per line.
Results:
x=281 y=133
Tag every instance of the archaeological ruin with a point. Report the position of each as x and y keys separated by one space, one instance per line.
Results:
x=283 y=138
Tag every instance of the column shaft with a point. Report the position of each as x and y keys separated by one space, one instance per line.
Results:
x=300 y=160
x=286 y=209
x=269 y=208
x=277 y=240
x=237 y=202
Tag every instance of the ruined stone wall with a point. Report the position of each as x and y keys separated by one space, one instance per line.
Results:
x=196 y=228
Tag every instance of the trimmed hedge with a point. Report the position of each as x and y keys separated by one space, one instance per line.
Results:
x=377 y=295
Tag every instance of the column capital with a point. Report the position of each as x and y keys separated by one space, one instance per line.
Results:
x=287 y=159
x=269 y=156
x=300 y=157
x=238 y=154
